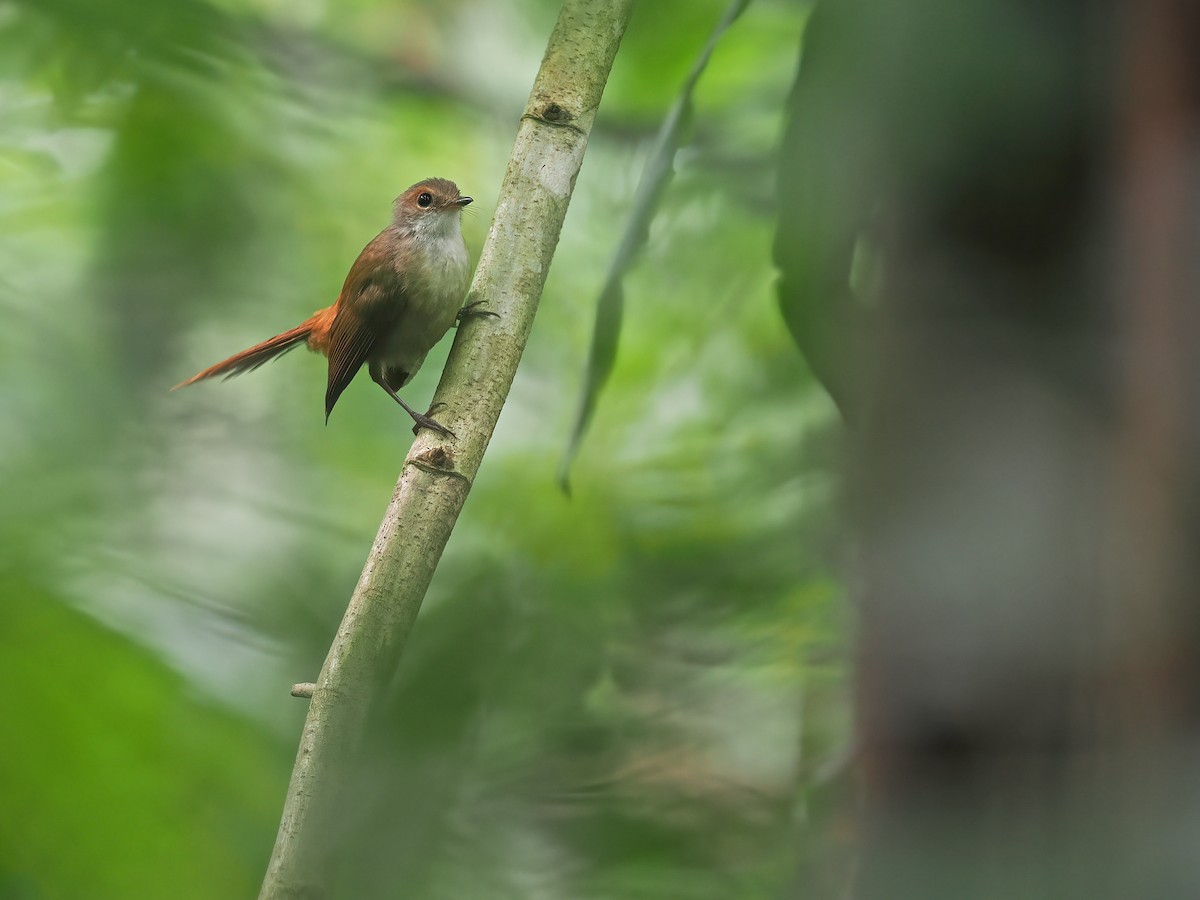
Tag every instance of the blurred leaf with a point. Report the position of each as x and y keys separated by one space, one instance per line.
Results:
x=655 y=177
x=117 y=782
x=822 y=245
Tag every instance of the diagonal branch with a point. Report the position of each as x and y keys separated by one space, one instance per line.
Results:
x=438 y=472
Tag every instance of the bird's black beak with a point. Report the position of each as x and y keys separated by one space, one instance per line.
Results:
x=464 y=201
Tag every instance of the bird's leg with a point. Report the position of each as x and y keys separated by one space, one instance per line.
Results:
x=422 y=420
x=472 y=311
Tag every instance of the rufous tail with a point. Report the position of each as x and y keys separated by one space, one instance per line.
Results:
x=251 y=359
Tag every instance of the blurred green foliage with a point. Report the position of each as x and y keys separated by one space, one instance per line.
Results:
x=633 y=692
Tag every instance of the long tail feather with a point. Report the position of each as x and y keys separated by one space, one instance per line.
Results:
x=251 y=359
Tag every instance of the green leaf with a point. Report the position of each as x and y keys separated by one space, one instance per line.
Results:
x=610 y=305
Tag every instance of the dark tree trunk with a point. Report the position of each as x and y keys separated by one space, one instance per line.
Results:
x=1026 y=444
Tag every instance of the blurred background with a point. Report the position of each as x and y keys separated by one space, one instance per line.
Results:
x=618 y=693
x=878 y=573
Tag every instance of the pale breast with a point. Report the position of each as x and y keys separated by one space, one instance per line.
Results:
x=434 y=293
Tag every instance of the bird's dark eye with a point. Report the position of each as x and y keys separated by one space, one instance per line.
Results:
x=424 y=199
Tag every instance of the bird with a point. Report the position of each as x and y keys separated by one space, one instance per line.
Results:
x=399 y=299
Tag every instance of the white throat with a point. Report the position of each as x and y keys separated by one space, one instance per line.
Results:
x=431 y=230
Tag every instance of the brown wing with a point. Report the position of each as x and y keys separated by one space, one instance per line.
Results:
x=371 y=300
x=350 y=342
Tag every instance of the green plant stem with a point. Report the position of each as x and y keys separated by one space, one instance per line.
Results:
x=438 y=471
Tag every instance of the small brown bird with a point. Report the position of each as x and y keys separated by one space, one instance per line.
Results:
x=402 y=295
